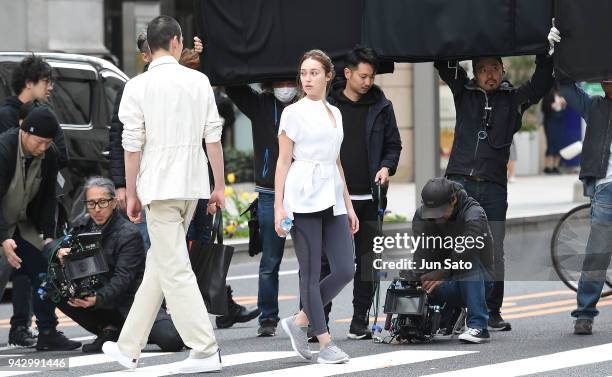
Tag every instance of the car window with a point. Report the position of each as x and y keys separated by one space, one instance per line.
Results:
x=112 y=85
x=71 y=100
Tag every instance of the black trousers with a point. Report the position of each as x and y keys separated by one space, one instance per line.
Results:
x=363 y=282
x=163 y=333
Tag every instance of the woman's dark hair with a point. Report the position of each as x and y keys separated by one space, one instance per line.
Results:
x=160 y=32
x=359 y=55
x=32 y=68
x=320 y=57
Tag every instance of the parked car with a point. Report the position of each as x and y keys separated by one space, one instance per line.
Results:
x=83 y=95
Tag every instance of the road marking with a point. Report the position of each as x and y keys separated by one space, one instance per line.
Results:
x=256 y=276
x=540 y=295
x=360 y=364
x=546 y=305
x=252 y=300
x=228 y=361
x=82 y=361
x=553 y=311
x=538 y=364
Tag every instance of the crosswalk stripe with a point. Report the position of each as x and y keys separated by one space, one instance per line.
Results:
x=227 y=361
x=538 y=364
x=561 y=309
x=360 y=364
x=256 y=276
x=81 y=361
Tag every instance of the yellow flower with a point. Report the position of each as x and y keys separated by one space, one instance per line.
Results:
x=230 y=228
x=253 y=196
x=231 y=178
x=244 y=196
x=229 y=191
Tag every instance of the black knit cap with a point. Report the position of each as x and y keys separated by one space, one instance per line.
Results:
x=41 y=122
x=477 y=60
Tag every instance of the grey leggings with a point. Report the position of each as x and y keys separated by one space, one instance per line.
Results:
x=314 y=234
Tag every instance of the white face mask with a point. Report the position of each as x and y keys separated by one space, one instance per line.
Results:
x=285 y=94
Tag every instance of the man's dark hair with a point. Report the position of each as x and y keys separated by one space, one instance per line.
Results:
x=160 y=32
x=32 y=68
x=141 y=41
x=361 y=54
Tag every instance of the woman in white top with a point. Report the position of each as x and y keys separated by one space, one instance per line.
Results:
x=310 y=190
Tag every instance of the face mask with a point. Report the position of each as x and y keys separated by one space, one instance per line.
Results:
x=285 y=94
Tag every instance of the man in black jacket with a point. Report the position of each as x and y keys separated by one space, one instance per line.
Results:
x=104 y=313
x=264 y=110
x=28 y=171
x=370 y=153
x=455 y=270
x=596 y=175
x=489 y=112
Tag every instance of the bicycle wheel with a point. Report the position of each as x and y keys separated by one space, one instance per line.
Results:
x=568 y=245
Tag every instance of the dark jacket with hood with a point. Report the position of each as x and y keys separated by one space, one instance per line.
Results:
x=9 y=119
x=124 y=252
x=383 y=143
x=468 y=220
x=597 y=112
x=41 y=210
x=487 y=121
x=264 y=111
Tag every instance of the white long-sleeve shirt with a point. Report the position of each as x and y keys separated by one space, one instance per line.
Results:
x=166 y=112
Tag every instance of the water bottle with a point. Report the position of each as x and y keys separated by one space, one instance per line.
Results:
x=286 y=225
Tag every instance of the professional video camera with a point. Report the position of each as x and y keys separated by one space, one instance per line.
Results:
x=79 y=274
x=410 y=315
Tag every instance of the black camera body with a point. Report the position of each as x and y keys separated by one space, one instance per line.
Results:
x=80 y=273
x=411 y=317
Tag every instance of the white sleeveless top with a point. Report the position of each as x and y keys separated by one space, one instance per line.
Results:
x=313 y=182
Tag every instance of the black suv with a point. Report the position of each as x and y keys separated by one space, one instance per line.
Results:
x=84 y=91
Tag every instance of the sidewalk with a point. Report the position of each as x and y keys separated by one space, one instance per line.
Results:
x=529 y=196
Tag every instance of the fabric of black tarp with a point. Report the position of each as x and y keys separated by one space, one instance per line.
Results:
x=426 y=30
x=259 y=40
x=585 y=51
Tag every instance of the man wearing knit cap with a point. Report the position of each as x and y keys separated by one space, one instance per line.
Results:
x=28 y=170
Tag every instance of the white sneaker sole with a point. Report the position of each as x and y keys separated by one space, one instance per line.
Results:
x=473 y=340
x=285 y=327
x=111 y=350
x=341 y=361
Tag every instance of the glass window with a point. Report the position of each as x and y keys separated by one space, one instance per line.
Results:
x=71 y=100
x=112 y=85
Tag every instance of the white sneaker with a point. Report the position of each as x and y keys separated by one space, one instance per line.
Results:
x=211 y=363
x=111 y=350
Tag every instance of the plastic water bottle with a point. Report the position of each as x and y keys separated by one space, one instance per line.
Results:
x=286 y=225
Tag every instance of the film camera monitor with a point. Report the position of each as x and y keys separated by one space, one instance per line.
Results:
x=411 y=317
x=80 y=273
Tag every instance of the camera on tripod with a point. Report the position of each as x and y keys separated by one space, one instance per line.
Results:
x=80 y=274
x=411 y=317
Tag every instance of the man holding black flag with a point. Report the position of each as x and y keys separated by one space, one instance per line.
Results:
x=489 y=112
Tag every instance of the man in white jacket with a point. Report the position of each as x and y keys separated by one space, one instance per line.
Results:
x=166 y=113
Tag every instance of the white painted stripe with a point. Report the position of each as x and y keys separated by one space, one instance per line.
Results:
x=539 y=364
x=360 y=364
x=256 y=276
x=227 y=361
x=82 y=361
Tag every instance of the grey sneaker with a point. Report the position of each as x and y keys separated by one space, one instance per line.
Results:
x=299 y=341
x=331 y=354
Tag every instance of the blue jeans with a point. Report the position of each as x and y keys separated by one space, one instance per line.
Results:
x=598 y=252
x=142 y=228
x=493 y=198
x=200 y=227
x=465 y=292
x=271 y=256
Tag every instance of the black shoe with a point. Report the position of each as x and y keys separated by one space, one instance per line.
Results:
x=311 y=336
x=556 y=171
x=105 y=336
x=497 y=323
x=21 y=336
x=53 y=340
x=583 y=327
x=267 y=328
x=236 y=313
x=548 y=171
x=475 y=336
x=359 y=329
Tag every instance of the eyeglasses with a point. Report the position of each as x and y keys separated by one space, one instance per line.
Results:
x=49 y=82
x=102 y=203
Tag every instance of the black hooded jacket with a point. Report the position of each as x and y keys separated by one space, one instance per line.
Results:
x=468 y=220
x=382 y=139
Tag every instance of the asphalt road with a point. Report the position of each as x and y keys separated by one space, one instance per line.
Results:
x=541 y=342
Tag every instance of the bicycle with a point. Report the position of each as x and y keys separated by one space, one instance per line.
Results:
x=568 y=244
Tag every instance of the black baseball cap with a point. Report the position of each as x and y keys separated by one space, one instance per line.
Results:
x=436 y=197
